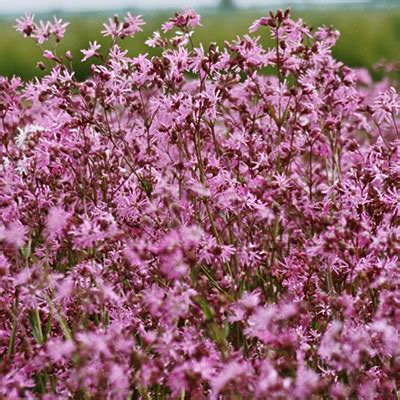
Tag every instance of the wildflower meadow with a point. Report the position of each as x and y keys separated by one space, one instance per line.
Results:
x=217 y=222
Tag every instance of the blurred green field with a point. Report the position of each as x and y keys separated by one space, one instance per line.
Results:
x=366 y=37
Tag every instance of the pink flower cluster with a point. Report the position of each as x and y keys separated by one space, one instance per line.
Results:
x=188 y=227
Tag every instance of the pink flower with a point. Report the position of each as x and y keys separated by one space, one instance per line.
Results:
x=13 y=234
x=258 y=23
x=87 y=234
x=231 y=371
x=155 y=40
x=60 y=350
x=112 y=28
x=58 y=27
x=49 y=55
x=26 y=25
x=56 y=220
x=187 y=19
x=91 y=51
x=42 y=32
x=132 y=24
x=4 y=265
x=386 y=106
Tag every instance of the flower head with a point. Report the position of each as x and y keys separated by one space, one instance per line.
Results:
x=91 y=51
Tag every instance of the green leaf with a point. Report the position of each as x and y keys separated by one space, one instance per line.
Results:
x=36 y=325
x=207 y=309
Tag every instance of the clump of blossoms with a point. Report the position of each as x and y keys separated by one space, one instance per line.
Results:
x=187 y=227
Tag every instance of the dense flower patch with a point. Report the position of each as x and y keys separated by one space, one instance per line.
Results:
x=209 y=223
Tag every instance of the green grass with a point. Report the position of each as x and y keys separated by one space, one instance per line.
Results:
x=366 y=37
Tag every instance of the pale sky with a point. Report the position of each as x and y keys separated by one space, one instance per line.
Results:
x=18 y=6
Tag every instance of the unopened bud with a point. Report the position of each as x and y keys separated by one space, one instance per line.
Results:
x=49 y=55
x=40 y=66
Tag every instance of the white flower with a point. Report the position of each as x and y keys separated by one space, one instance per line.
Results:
x=23 y=134
x=22 y=166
